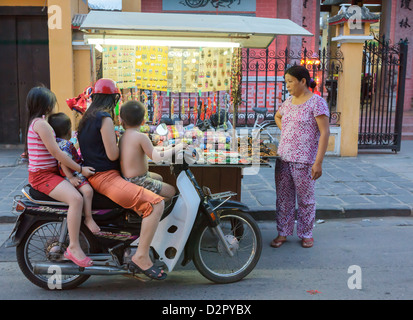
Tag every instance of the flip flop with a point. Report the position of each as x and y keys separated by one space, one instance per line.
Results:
x=277 y=242
x=86 y=262
x=152 y=272
x=307 y=242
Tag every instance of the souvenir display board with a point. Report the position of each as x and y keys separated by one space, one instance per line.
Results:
x=214 y=69
x=118 y=63
x=183 y=67
x=169 y=69
x=151 y=68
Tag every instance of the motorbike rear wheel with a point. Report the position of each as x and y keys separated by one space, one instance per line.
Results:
x=244 y=239
x=37 y=245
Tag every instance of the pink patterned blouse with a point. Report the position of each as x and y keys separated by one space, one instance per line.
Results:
x=300 y=133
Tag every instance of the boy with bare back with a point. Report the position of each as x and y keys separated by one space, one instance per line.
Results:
x=135 y=146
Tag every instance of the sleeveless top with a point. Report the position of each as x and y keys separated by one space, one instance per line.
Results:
x=39 y=157
x=92 y=147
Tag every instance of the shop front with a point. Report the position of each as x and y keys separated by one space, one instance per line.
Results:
x=186 y=70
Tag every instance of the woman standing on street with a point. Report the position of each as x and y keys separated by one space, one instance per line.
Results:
x=303 y=119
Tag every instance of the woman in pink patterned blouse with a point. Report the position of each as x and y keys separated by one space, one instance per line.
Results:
x=303 y=119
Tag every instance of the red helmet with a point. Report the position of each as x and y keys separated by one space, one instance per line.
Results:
x=106 y=86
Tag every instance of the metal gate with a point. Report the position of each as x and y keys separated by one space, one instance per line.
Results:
x=262 y=85
x=263 y=82
x=382 y=94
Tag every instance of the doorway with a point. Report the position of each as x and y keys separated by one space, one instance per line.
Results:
x=24 y=63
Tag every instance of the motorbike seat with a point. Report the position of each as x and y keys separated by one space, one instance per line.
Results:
x=99 y=200
x=260 y=110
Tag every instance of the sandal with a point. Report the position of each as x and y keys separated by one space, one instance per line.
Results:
x=153 y=272
x=307 y=242
x=84 y=263
x=277 y=242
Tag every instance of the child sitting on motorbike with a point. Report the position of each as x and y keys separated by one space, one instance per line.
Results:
x=43 y=153
x=62 y=126
x=134 y=146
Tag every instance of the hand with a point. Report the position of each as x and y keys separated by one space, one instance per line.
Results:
x=180 y=147
x=88 y=171
x=316 y=171
x=75 y=181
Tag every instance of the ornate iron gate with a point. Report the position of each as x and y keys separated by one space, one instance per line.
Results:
x=262 y=85
x=382 y=95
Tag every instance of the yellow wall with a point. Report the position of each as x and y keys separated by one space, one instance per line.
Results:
x=82 y=70
x=131 y=5
x=21 y=3
x=61 y=56
x=348 y=97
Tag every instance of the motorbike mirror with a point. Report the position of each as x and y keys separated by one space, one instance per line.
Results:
x=191 y=155
x=162 y=130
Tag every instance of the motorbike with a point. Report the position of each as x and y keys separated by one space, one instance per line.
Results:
x=216 y=233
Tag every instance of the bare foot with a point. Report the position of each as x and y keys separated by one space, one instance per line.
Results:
x=92 y=226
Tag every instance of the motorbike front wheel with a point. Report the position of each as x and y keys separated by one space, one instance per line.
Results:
x=243 y=237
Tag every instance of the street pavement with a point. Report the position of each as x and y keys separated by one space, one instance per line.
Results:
x=352 y=259
x=373 y=184
x=373 y=191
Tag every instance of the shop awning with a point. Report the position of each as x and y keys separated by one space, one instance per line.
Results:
x=250 y=32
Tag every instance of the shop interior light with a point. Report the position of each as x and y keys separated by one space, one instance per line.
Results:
x=162 y=43
x=98 y=47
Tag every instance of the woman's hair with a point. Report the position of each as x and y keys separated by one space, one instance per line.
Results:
x=132 y=113
x=40 y=102
x=100 y=102
x=301 y=72
x=61 y=125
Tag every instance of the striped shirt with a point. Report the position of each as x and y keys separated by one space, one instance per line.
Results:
x=39 y=157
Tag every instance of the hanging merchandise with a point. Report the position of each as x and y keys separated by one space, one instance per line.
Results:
x=172 y=108
x=145 y=103
x=151 y=68
x=236 y=78
x=118 y=63
x=183 y=65
x=189 y=110
x=195 y=110
x=209 y=109
x=214 y=69
x=214 y=111
x=183 y=109
x=155 y=109
x=160 y=105
x=202 y=111
x=80 y=103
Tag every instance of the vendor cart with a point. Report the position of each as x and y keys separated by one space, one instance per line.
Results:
x=181 y=66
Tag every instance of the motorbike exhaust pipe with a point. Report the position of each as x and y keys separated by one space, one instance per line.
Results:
x=70 y=268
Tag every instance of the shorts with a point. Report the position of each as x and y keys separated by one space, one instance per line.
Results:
x=147 y=182
x=128 y=195
x=82 y=179
x=45 y=180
